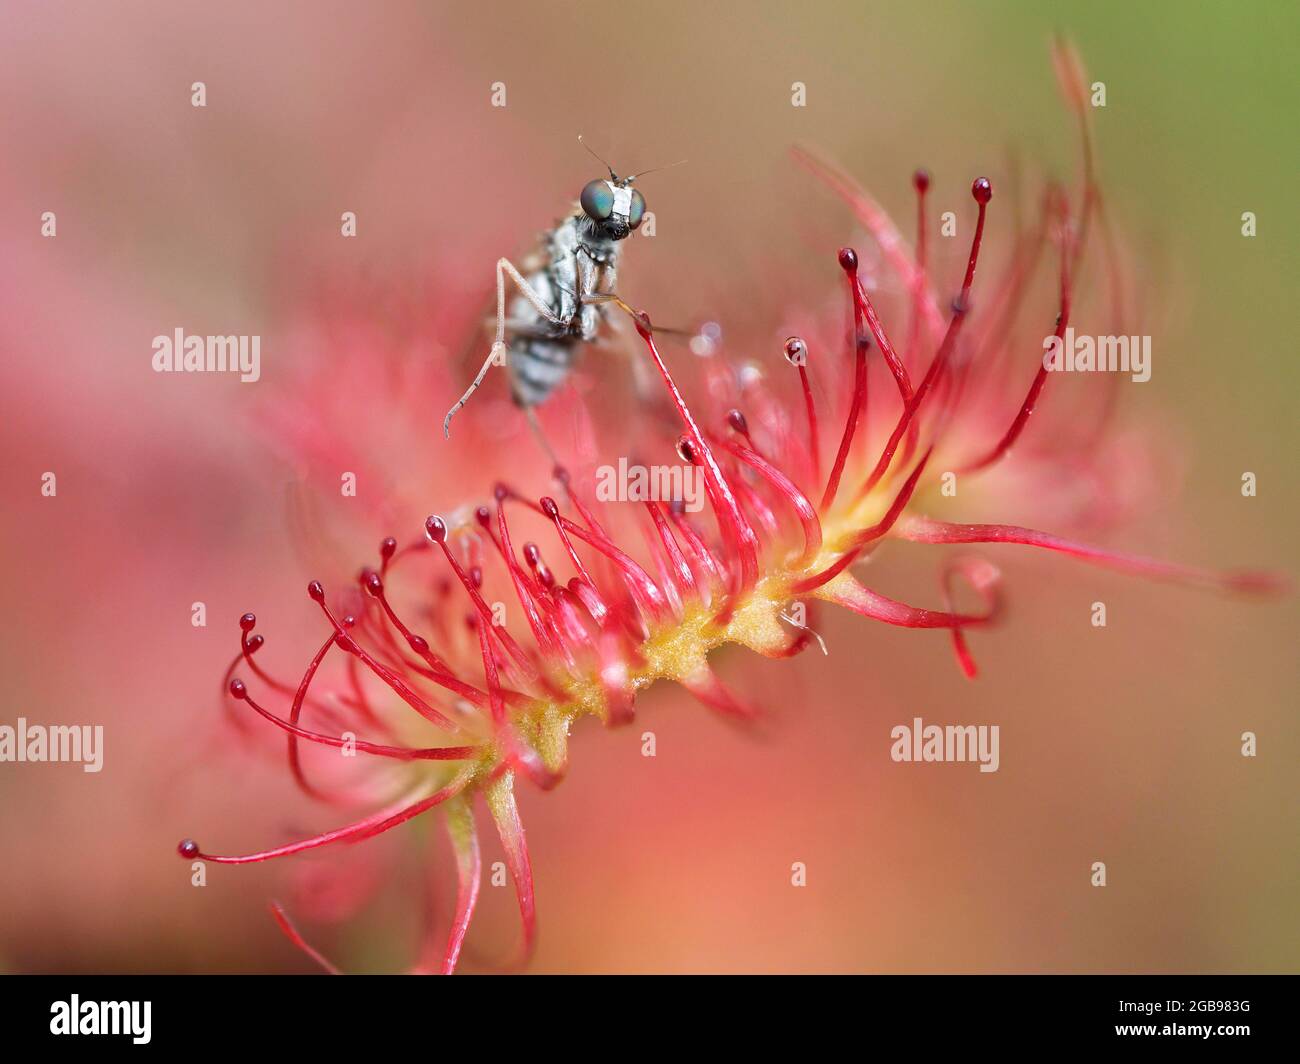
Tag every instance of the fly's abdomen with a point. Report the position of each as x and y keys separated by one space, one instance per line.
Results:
x=539 y=365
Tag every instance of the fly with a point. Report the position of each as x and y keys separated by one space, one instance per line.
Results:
x=561 y=303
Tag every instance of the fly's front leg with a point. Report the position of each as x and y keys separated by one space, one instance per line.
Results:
x=588 y=277
x=497 y=356
x=612 y=297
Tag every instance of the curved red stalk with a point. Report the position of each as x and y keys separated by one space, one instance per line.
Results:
x=490 y=673
x=982 y=192
x=682 y=571
x=543 y=578
x=469 y=877
x=398 y=685
x=436 y=530
x=1040 y=377
x=708 y=569
x=878 y=224
x=373 y=624
x=389 y=557
x=814 y=437
x=739 y=423
x=523 y=592
x=1001 y=317
x=895 y=364
x=575 y=604
x=983 y=578
x=863 y=539
x=295 y=712
x=566 y=606
x=924 y=530
x=1009 y=292
x=529 y=762
x=566 y=629
x=920 y=281
x=417 y=643
x=704 y=684
x=591 y=601
x=849 y=263
x=731 y=520
x=849 y=593
x=664 y=573
x=807 y=514
x=377 y=824
x=505 y=814
x=595 y=536
x=892 y=360
x=762 y=514
x=562 y=475
x=291 y=933
x=401 y=753
x=615 y=679
x=637 y=578
x=237 y=719
x=359 y=699
x=408 y=694
x=551 y=510
x=249 y=645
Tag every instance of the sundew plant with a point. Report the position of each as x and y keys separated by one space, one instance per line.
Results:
x=460 y=659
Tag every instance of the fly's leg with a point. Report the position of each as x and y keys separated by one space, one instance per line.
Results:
x=611 y=297
x=534 y=424
x=589 y=278
x=497 y=356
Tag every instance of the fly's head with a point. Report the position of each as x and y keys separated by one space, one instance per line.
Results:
x=614 y=206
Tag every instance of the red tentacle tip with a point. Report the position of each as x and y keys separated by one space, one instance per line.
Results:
x=483 y=516
x=549 y=508
x=686 y=449
x=643 y=325
x=387 y=548
x=848 y=260
x=188 y=848
x=238 y=690
x=436 y=529
x=796 y=351
x=316 y=591
x=921 y=180
x=370 y=580
x=248 y=622
x=737 y=421
x=1256 y=582
x=982 y=190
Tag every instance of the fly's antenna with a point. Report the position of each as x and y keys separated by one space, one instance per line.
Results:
x=653 y=170
x=612 y=176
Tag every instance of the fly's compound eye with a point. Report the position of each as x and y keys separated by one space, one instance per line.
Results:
x=597 y=200
x=636 y=212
